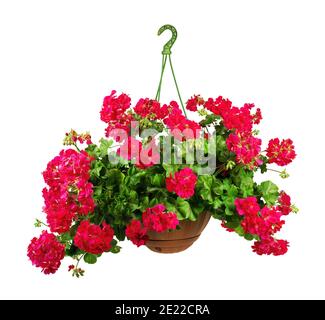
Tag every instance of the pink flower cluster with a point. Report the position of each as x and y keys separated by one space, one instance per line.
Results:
x=264 y=223
x=151 y=109
x=240 y=122
x=281 y=153
x=114 y=113
x=46 y=252
x=143 y=157
x=180 y=127
x=153 y=219
x=156 y=219
x=246 y=147
x=94 y=239
x=183 y=183
x=70 y=192
x=194 y=102
x=136 y=233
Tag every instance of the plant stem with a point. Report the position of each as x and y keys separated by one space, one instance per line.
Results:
x=78 y=260
x=177 y=88
x=75 y=145
x=42 y=223
x=268 y=169
x=164 y=60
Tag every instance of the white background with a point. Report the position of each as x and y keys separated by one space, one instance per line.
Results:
x=57 y=61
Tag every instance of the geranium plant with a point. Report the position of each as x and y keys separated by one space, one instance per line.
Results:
x=156 y=168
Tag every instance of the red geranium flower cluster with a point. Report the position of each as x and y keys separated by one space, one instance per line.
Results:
x=147 y=108
x=114 y=113
x=281 y=153
x=46 y=252
x=194 y=102
x=284 y=203
x=153 y=219
x=180 y=127
x=271 y=246
x=183 y=183
x=246 y=147
x=264 y=223
x=143 y=157
x=70 y=192
x=136 y=233
x=238 y=120
x=94 y=239
x=156 y=219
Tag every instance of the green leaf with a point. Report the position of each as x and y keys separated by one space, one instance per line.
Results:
x=157 y=180
x=246 y=185
x=73 y=230
x=96 y=168
x=209 y=119
x=249 y=237
x=217 y=203
x=73 y=251
x=93 y=150
x=269 y=192
x=239 y=230
x=184 y=210
x=115 y=249
x=90 y=258
x=98 y=191
x=103 y=147
x=228 y=212
x=170 y=207
x=197 y=209
x=114 y=177
x=65 y=237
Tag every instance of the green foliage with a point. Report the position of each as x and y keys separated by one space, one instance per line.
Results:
x=269 y=192
x=90 y=258
x=184 y=210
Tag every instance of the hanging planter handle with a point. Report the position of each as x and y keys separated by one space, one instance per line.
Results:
x=170 y=43
x=166 y=55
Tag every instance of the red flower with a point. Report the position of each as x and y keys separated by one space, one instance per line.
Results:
x=136 y=233
x=219 y=106
x=247 y=206
x=143 y=157
x=271 y=246
x=285 y=203
x=239 y=119
x=158 y=220
x=246 y=147
x=183 y=183
x=150 y=109
x=257 y=117
x=94 y=239
x=181 y=128
x=69 y=191
x=194 y=102
x=280 y=153
x=263 y=223
x=46 y=252
x=71 y=267
x=114 y=113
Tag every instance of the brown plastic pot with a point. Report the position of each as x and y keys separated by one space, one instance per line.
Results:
x=178 y=240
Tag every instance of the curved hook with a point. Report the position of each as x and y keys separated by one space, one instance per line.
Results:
x=170 y=43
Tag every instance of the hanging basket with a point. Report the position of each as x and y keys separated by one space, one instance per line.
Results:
x=178 y=240
x=158 y=176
